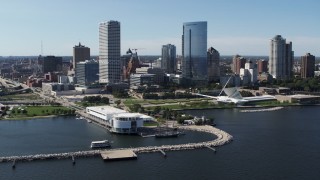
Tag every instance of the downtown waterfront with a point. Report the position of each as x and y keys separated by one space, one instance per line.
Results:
x=281 y=144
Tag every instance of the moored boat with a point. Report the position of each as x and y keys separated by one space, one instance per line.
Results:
x=167 y=134
x=100 y=144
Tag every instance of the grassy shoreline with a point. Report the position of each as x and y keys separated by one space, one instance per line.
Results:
x=35 y=112
x=31 y=118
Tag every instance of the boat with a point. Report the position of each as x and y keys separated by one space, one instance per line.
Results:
x=100 y=144
x=89 y=121
x=167 y=134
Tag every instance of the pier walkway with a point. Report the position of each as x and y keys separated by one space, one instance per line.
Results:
x=222 y=138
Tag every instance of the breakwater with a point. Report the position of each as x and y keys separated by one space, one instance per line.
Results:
x=50 y=156
x=262 y=110
x=222 y=138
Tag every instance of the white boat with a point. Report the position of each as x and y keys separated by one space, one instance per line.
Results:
x=100 y=144
x=89 y=121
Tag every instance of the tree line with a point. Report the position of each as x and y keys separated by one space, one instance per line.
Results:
x=168 y=95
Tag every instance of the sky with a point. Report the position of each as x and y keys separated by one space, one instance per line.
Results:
x=242 y=27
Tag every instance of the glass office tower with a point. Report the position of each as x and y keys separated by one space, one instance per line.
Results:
x=194 y=52
x=168 y=58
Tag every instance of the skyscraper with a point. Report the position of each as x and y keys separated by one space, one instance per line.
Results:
x=238 y=62
x=262 y=66
x=194 y=52
x=248 y=74
x=213 y=59
x=307 y=66
x=289 y=61
x=281 y=58
x=51 y=64
x=168 y=60
x=87 y=72
x=109 y=52
x=80 y=53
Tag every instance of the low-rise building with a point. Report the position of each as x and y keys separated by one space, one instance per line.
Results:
x=48 y=88
x=141 y=79
x=119 y=120
x=299 y=98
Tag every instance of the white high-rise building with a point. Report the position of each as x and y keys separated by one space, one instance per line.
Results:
x=281 y=58
x=109 y=52
x=249 y=74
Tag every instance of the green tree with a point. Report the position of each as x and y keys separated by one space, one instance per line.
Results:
x=157 y=109
x=104 y=100
x=135 y=107
x=118 y=102
x=24 y=111
x=306 y=88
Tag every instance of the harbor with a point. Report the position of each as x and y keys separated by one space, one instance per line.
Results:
x=222 y=138
x=256 y=136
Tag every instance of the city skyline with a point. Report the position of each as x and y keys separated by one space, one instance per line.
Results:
x=234 y=27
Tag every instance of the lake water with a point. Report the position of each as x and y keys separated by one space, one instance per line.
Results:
x=282 y=144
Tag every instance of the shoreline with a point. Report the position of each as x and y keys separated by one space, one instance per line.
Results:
x=243 y=107
x=32 y=118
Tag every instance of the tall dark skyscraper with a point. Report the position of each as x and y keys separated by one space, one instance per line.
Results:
x=281 y=58
x=109 y=52
x=51 y=64
x=307 y=66
x=80 y=53
x=194 y=52
x=168 y=60
x=213 y=64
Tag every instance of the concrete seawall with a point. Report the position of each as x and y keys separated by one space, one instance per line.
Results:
x=222 y=138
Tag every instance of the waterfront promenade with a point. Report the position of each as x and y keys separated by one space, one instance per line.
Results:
x=222 y=138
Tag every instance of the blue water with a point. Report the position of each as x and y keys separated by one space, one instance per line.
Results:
x=282 y=144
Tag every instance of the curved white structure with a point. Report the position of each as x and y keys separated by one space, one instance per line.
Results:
x=118 y=120
x=127 y=123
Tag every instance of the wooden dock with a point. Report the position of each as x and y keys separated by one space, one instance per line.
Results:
x=115 y=155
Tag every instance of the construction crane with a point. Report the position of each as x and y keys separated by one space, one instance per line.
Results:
x=135 y=49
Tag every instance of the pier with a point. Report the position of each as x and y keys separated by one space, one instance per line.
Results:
x=114 y=155
x=213 y=149
x=163 y=153
x=222 y=138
